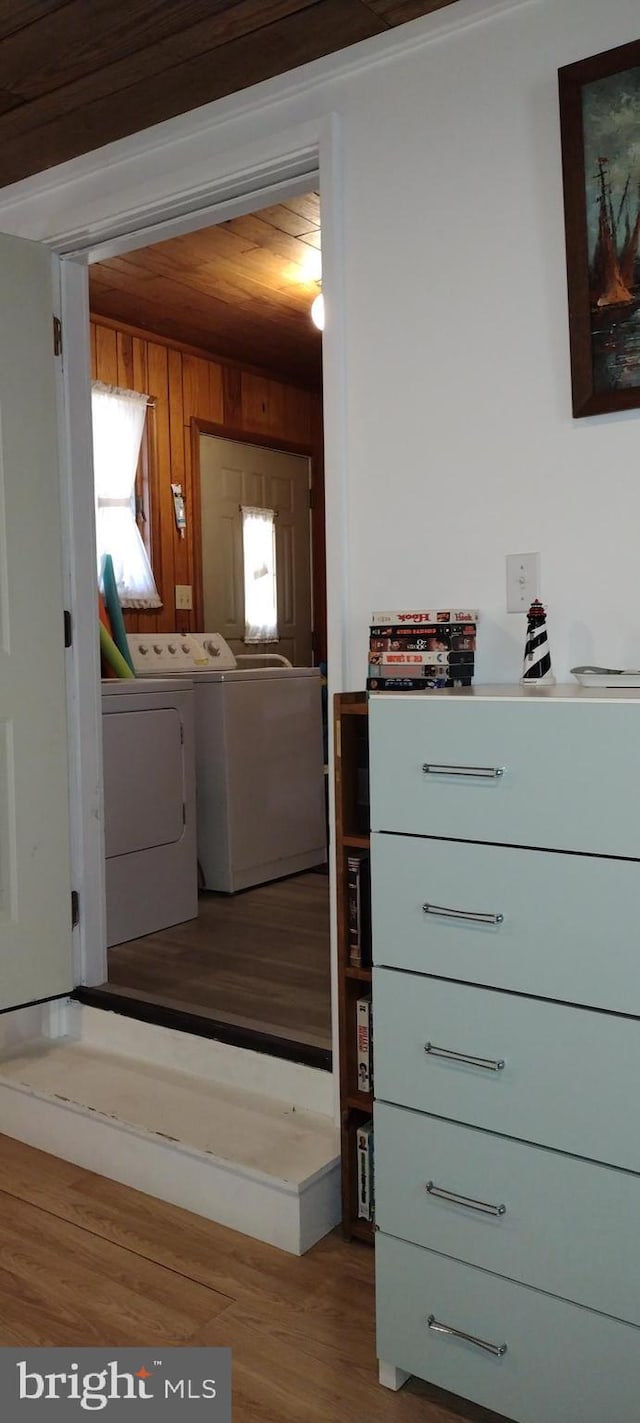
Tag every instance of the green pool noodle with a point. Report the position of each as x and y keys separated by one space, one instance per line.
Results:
x=110 y=589
x=112 y=655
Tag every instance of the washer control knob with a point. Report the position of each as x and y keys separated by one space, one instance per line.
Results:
x=142 y=649
x=157 y=648
x=171 y=648
x=185 y=647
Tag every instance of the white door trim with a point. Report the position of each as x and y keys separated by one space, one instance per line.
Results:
x=266 y=184
x=293 y=152
x=83 y=675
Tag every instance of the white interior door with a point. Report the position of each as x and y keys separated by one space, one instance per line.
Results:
x=35 y=893
x=233 y=474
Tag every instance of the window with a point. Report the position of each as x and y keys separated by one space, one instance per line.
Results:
x=260 y=590
x=118 y=423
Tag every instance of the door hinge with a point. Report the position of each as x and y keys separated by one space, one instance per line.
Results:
x=184 y=813
x=75 y=909
x=312 y=498
x=57 y=336
x=68 y=635
x=181 y=734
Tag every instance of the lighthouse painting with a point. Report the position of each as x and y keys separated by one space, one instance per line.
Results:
x=600 y=119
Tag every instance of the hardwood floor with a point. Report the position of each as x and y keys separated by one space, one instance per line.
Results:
x=259 y=959
x=84 y=1261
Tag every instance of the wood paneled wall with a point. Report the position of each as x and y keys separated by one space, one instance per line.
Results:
x=184 y=386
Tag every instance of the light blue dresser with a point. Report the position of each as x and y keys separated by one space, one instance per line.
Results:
x=505 y=876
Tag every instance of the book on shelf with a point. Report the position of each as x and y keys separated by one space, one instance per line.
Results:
x=430 y=640
x=431 y=671
x=364 y=1037
x=364 y=1162
x=405 y=684
x=463 y=678
x=423 y=634
x=391 y=658
x=358 y=903
x=404 y=619
x=440 y=673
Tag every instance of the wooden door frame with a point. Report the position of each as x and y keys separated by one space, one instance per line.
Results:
x=267 y=442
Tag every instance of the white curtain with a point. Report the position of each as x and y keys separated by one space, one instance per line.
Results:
x=260 y=590
x=118 y=423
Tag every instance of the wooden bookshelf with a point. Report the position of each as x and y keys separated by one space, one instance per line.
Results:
x=362 y=1230
x=351 y=744
x=362 y=975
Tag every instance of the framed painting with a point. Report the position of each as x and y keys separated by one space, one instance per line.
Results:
x=600 y=131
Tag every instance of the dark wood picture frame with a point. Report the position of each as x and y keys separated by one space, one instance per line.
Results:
x=603 y=378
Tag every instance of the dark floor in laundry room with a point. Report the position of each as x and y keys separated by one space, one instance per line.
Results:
x=258 y=960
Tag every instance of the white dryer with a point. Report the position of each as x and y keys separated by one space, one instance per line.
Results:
x=149 y=806
x=259 y=758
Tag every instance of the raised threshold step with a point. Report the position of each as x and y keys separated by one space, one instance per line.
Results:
x=248 y=1161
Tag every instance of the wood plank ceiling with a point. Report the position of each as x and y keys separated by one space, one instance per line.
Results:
x=76 y=74
x=242 y=290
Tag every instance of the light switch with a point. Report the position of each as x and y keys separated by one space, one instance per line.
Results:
x=184 y=597
x=523 y=581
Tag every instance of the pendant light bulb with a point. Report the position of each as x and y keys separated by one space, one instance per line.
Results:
x=317 y=311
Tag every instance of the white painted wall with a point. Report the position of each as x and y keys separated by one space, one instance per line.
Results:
x=462 y=446
x=460 y=442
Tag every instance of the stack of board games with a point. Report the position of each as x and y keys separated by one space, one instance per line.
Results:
x=416 y=652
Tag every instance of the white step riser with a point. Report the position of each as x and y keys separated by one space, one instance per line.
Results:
x=291 y=1219
x=305 y=1088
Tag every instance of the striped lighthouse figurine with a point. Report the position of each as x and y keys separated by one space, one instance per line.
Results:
x=536 y=671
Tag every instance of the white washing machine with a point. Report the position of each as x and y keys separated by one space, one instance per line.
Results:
x=259 y=760
x=149 y=806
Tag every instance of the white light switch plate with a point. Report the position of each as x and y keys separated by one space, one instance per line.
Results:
x=523 y=581
x=184 y=598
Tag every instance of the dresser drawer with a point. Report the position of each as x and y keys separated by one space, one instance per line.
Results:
x=569 y=771
x=545 y=1219
x=570 y=1076
x=555 y=925
x=563 y=1364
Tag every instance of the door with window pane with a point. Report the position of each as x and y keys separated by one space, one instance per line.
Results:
x=233 y=477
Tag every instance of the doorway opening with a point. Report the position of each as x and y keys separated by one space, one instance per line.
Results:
x=214 y=328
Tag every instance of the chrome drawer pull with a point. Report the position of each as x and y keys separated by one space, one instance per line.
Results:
x=439 y=768
x=468 y=1201
x=498 y=1350
x=489 y=1063
x=443 y=912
